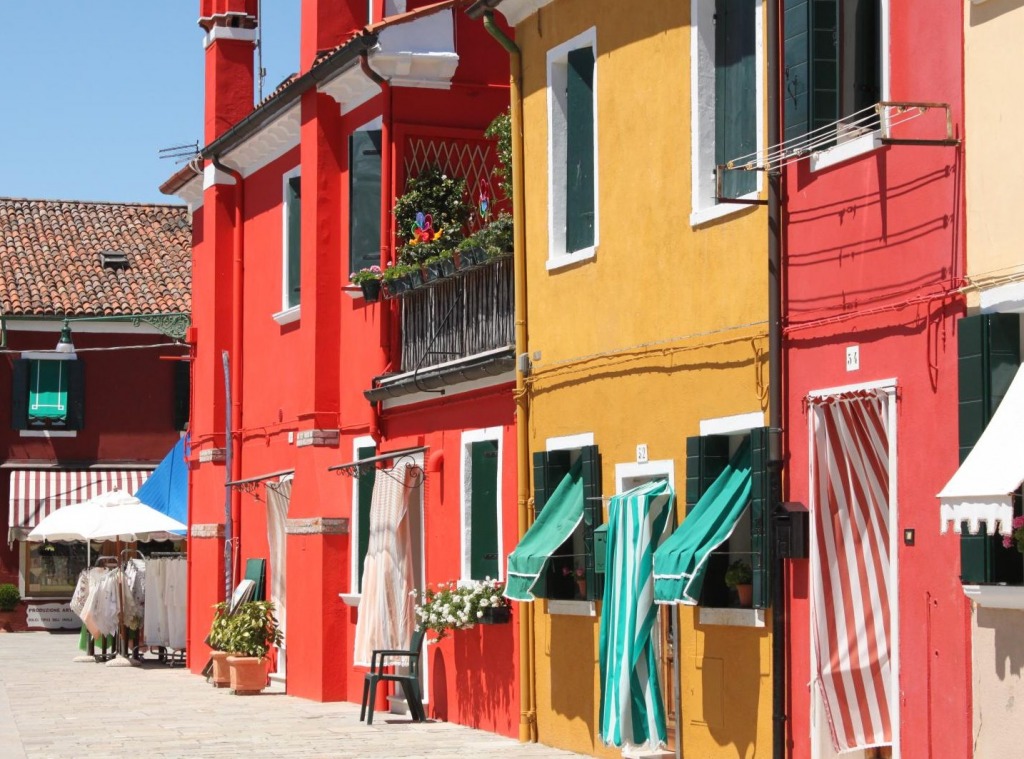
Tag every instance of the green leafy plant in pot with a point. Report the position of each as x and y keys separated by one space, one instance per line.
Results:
x=9 y=598
x=218 y=641
x=740 y=577
x=250 y=633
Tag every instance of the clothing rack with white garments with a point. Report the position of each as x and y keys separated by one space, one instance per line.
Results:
x=165 y=610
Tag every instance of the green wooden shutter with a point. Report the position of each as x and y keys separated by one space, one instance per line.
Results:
x=761 y=501
x=365 y=498
x=796 y=69
x=364 y=200
x=824 y=82
x=706 y=458
x=988 y=356
x=484 y=510
x=76 y=394
x=293 y=202
x=48 y=391
x=182 y=393
x=593 y=517
x=19 y=394
x=735 y=92
x=579 y=201
x=549 y=467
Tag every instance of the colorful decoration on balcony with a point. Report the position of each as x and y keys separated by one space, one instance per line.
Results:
x=423 y=229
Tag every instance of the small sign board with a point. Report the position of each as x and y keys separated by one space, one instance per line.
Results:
x=52 y=616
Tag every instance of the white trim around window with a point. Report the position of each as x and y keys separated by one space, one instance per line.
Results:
x=557 y=80
x=466 y=498
x=287 y=314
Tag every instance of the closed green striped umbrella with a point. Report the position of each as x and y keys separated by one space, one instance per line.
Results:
x=681 y=563
x=631 y=703
x=556 y=522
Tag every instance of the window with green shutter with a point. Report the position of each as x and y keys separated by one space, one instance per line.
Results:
x=988 y=348
x=364 y=200
x=571 y=572
x=293 y=241
x=364 y=496
x=483 y=510
x=182 y=393
x=735 y=92
x=706 y=458
x=832 y=62
x=579 y=182
x=47 y=394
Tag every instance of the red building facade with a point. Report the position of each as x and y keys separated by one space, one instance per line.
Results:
x=873 y=246
x=296 y=196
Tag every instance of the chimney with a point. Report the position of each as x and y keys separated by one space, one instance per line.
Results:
x=230 y=43
x=328 y=23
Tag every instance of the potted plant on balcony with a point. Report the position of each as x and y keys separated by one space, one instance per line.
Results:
x=369 y=281
x=459 y=606
x=9 y=599
x=251 y=632
x=740 y=577
x=431 y=216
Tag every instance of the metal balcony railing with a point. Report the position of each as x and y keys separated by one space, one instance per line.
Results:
x=459 y=316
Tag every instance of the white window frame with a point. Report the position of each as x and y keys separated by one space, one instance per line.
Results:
x=287 y=314
x=704 y=207
x=466 y=502
x=854 y=148
x=557 y=79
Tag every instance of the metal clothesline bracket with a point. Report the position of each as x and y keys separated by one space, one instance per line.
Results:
x=361 y=467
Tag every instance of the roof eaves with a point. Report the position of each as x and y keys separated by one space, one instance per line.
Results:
x=274 y=107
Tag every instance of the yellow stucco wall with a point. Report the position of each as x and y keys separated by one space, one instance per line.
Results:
x=665 y=326
x=994 y=75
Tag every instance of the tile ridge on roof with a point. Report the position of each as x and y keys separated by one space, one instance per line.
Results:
x=121 y=203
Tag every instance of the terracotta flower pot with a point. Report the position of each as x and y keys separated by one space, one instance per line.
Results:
x=248 y=675
x=221 y=677
x=746 y=594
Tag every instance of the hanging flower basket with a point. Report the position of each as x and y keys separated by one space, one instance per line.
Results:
x=371 y=290
x=496 y=615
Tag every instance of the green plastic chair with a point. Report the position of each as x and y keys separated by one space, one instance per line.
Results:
x=381 y=669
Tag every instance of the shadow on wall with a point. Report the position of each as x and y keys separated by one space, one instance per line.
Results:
x=573 y=665
x=1009 y=643
x=731 y=670
x=979 y=14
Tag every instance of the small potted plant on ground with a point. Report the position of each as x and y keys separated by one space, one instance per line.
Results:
x=251 y=632
x=9 y=598
x=368 y=280
x=739 y=576
x=217 y=640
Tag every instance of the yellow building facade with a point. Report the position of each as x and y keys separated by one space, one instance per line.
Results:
x=651 y=325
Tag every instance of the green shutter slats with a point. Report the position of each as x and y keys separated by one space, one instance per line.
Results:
x=593 y=517
x=988 y=354
x=579 y=205
x=19 y=394
x=824 y=83
x=364 y=199
x=364 y=495
x=76 y=395
x=549 y=467
x=761 y=482
x=735 y=92
x=483 y=509
x=294 y=206
x=796 y=69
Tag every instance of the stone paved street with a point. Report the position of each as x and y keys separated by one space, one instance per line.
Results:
x=51 y=706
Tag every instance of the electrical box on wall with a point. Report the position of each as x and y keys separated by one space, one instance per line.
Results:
x=600 y=546
x=792 y=525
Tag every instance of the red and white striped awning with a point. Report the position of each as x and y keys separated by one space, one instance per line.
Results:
x=35 y=493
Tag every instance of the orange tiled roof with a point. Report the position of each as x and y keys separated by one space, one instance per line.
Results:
x=50 y=258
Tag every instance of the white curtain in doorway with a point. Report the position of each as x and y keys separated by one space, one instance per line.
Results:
x=386 y=608
x=850 y=602
x=279 y=495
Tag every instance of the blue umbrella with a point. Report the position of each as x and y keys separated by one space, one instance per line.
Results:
x=166 y=490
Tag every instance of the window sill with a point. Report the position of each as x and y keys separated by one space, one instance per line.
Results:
x=287 y=316
x=572 y=608
x=568 y=259
x=996 y=596
x=350 y=599
x=720 y=210
x=731 y=617
x=355 y=292
x=846 y=151
x=48 y=433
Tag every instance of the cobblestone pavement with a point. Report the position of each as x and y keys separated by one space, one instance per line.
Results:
x=51 y=706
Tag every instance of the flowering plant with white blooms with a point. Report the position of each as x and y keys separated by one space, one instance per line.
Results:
x=457 y=605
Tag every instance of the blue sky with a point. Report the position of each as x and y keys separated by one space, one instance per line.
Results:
x=93 y=90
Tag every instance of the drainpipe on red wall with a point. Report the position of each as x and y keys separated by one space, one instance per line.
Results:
x=388 y=320
x=235 y=470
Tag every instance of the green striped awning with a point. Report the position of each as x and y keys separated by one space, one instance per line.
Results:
x=681 y=563
x=557 y=522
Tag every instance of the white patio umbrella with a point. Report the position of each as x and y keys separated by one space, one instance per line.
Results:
x=114 y=515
